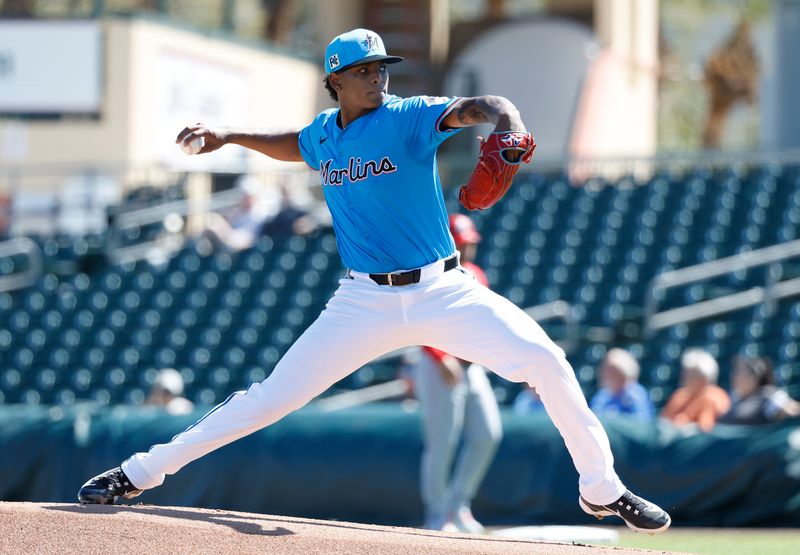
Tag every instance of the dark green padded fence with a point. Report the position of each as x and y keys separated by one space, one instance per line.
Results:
x=362 y=465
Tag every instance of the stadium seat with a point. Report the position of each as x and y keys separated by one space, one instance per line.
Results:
x=226 y=318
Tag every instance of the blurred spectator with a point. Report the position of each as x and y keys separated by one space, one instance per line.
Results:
x=167 y=392
x=290 y=219
x=699 y=399
x=527 y=401
x=239 y=229
x=620 y=391
x=756 y=398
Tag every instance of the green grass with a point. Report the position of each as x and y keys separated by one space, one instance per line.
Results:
x=718 y=541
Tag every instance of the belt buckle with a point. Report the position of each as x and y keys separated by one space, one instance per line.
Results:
x=389 y=279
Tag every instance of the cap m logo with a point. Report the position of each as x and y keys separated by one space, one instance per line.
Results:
x=370 y=42
x=333 y=61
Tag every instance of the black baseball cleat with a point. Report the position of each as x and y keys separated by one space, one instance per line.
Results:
x=639 y=514
x=105 y=488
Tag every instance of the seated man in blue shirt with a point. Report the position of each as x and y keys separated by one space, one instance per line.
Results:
x=620 y=391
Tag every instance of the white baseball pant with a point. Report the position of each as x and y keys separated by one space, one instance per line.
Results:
x=363 y=320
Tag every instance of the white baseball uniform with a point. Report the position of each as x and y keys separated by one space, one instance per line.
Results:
x=381 y=184
x=363 y=320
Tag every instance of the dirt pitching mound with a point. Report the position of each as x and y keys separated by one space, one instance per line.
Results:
x=45 y=528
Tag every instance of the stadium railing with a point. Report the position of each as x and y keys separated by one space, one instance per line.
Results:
x=30 y=272
x=118 y=250
x=772 y=290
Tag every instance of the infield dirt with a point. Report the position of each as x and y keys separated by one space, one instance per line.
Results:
x=50 y=528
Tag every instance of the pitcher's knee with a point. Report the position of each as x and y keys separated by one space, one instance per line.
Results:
x=541 y=362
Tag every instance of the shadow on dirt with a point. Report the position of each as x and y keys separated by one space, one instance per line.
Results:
x=272 y=525
x=238 y=523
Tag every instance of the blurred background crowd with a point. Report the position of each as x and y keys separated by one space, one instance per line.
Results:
x=655 y=236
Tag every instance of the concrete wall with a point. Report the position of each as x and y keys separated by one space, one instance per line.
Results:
x=539 y=65
x=583 y=92
x=621 y=96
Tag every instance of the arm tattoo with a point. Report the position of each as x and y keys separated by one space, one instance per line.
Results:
x=488 y=109
x=471 y=112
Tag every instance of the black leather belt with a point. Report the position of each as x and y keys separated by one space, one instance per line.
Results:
x=410 y=277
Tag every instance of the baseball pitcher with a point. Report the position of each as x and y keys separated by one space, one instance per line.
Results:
x=376 y=155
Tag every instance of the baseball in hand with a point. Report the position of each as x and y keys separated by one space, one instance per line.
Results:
x=193 y=146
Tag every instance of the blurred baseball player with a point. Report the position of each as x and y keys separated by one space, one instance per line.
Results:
x=457 y=401
x=376 y=154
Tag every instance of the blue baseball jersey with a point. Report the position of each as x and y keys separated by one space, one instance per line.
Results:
x=381 y=182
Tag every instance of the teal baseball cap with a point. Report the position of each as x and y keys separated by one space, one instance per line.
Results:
x=359 y=46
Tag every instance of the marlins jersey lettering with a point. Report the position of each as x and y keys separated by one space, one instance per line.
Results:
x=381 y=182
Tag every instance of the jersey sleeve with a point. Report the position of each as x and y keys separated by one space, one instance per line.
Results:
x=419 y=122
x=309 y=139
